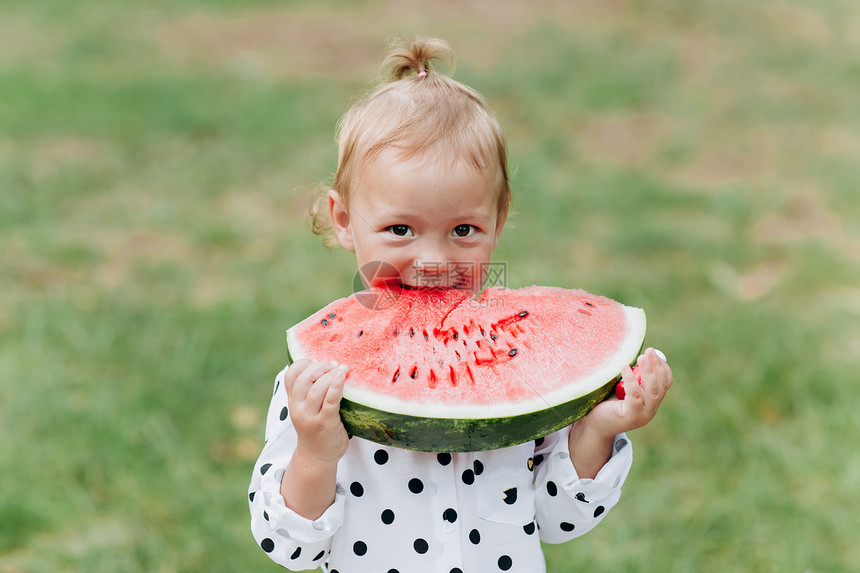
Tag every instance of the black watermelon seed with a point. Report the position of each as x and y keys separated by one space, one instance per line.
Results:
x=523 y=313
x=588 y=303
x=493 y=336
x=414 y=373
x=396 y=332
x=456 y=335
x=360 y=333
x=512 y=352
x=324 y=322
x=396 y=375
x=411 y=332
x=331 y=315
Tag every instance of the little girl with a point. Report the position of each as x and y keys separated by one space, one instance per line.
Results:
x=422 y=186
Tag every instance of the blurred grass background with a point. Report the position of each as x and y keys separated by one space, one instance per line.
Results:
x=698 y=159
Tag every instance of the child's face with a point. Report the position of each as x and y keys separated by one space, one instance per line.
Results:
x=434 y=224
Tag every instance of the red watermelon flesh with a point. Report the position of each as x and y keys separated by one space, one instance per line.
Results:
x=446 y=354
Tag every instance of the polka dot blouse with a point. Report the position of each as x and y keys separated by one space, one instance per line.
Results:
x=402 y=511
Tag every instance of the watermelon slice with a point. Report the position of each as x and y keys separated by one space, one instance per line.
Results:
x=442 y=371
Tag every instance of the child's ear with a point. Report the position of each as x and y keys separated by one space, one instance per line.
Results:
x=339 y=215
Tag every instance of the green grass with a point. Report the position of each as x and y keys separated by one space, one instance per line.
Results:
x=698 y=159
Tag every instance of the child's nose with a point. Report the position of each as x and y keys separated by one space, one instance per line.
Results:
x=432 y=258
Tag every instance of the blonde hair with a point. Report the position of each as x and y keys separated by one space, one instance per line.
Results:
x=416 y=110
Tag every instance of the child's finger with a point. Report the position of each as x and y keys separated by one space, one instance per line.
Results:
x=307 y=378
x=332 y=398
x=293 y=372
x=631 y=384
x=317 y=392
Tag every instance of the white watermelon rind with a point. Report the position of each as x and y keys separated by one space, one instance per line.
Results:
x=475 y=427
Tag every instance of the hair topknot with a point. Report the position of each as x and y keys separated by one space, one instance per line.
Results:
x=416 y=112
x=407 y=58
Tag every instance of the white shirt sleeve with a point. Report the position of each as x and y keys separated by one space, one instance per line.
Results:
x=290 y=539
x=567 y=506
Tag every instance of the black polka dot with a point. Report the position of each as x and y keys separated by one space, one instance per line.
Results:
x=531 y=464
x=356 y=489
x=449 y=515
x=264 y=468
x=511 y=496
x=475 y=536
x=421 y=546
x=284 y=413
x=456 y=570
x=387 y=517
x=539 y=442
x=551 y=488
x=380 y=457
x=393 y=571
x=468 y=477
x=479 y=467
x=529 y=528
x=538 y=459
x=416 y=485
x=359 y=548
x=580 y=497
x=598 y=511
x=266 y=515
x=565 y=526
x=444 y=459
x=319 y=556
x=297 y=553
x=251 y=495
x=268 y=545
x=505 y=563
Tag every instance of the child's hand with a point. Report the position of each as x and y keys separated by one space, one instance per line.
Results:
x=314 y=390
x=639 y=407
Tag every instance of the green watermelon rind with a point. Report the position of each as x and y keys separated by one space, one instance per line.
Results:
x=453 y=435
x=465 y=434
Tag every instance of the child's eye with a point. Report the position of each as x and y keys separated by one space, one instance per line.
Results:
x=464 y=230
x=400 y=230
